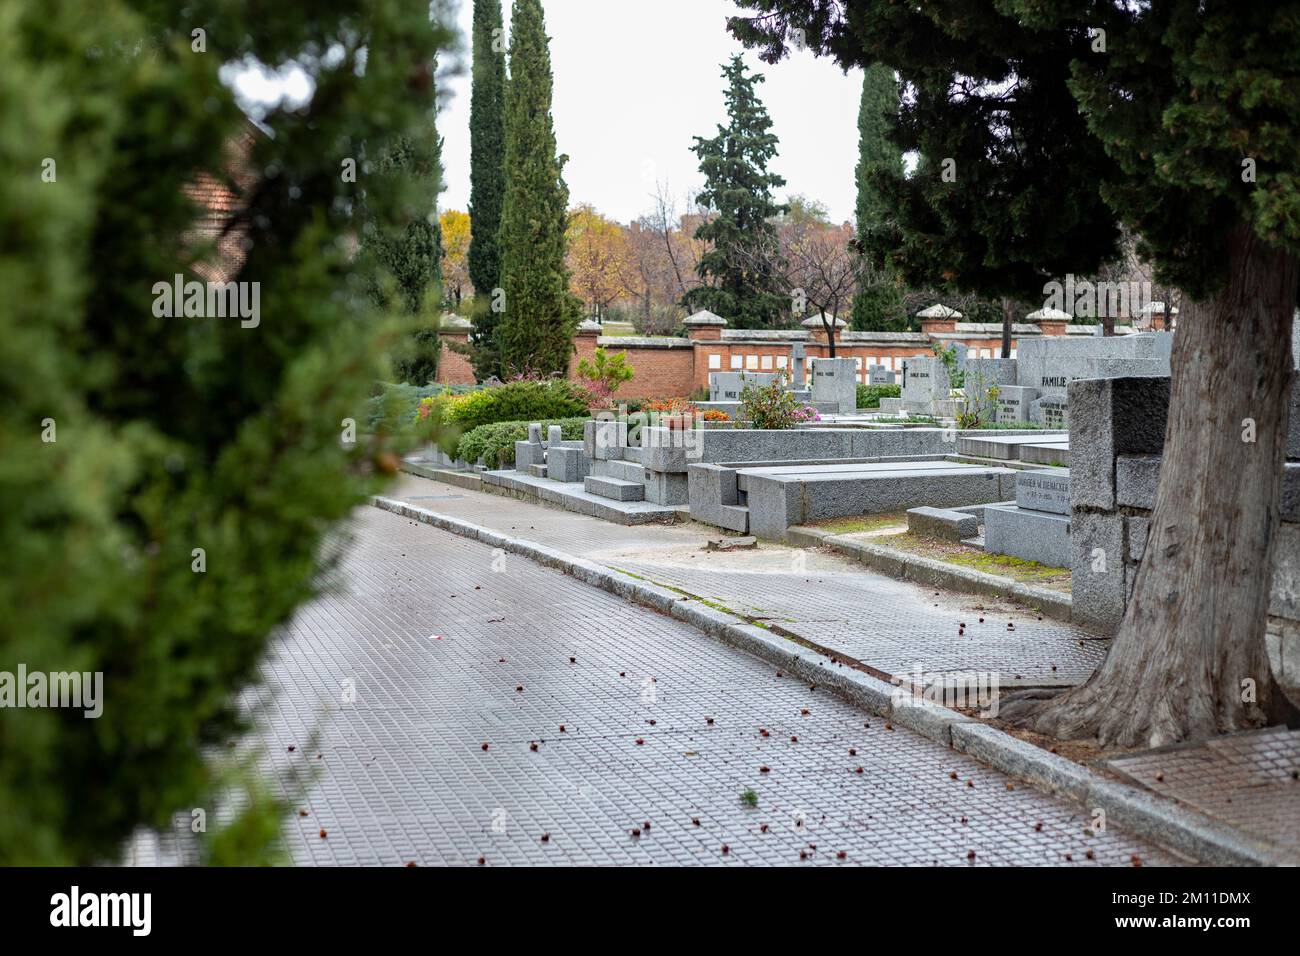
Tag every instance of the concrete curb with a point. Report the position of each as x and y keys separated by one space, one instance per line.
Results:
x=448 y=476
x=928 y=571
x=1160 y=820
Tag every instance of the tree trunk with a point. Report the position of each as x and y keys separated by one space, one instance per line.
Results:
x=1006 y=327
x=1189 y=659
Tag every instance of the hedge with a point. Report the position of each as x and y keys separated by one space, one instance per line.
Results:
x=495 y=443
x=869 y=396
x=529 y=400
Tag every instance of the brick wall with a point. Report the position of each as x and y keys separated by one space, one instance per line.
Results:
x=673 y=371
x=454 y=368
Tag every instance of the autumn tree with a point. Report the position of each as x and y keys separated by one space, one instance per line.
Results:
x=487 y=182
x=738 y=192
x=598 y=259
x=1044 y=124
x=541 y=315
x=455 y=256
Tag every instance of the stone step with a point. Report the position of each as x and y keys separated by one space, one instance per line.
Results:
x=632 y=454
x=624 y=470
x=537 y=471
x=614 y=488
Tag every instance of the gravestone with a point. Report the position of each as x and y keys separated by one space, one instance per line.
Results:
x=879 y=375
x=925 y=381
x=835 y=381
x=1051 y=411
x=1047 y=490
x=797 y=356
x=727 y=386
x=554 y=436
x=1037 y=526
x=1013 y=403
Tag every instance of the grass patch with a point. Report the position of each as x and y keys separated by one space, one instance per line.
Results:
x=863 y=523
x=1003 y=565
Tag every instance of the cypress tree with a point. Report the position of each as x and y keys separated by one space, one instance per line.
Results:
x=738 y=191
x=487 y=139
x=878 y=306
x=541 y=315
x=1046 y=124
x=406 y=248
x=170 y=480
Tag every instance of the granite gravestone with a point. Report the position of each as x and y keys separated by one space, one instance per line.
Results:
x=835 y=381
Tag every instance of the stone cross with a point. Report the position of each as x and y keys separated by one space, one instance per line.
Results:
x=797 y=354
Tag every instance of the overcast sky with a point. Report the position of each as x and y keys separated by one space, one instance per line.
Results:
x=635 y=80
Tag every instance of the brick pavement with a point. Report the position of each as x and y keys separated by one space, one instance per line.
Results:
x=417 y=658
x=891 y=625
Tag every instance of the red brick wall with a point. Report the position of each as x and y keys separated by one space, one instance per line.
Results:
x=660 y=373
x=676 y=372
x=454 y=368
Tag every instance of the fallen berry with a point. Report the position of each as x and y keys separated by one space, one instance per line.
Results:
x=323 y=834
x=485 y=746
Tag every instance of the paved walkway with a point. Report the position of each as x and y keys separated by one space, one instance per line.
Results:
x=891 y=625
x=434 y=645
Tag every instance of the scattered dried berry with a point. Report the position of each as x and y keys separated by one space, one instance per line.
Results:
x=889 y=726
x=709 y=721
x=546 y=838
x=412 y=863
x=1135 y=860
x=763 y=733
x=636 y=833
x=952 y=775
x=302 y=813
x=562 y=728
x=859 y=770
x=971 y=784
x=804 y=712
x=970 y=855
x=794 y=740
x=853 y=751
x=573 y=660
x=762 y=828
x=1069 y=857
x=1090 y=855
x=533 y=746
x=481 y=861
x=640 y=741
x=1038 y=827
x=520 y=688
x=323 y=834
x=803 y=854
x=291 y=748
x=764 y=769
x=695 y=821
x=1011 y=786
x=841 y=855
x=725 y=849
x=485 y=746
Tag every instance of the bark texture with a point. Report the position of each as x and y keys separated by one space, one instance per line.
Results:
x=1189 y=659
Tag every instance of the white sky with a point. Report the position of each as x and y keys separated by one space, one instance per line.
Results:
x=635 y=80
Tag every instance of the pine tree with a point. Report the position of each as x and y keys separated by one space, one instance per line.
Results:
x=169 y=481
x=738 y=193
x=1046 y=124
x=406 y=250
x=541 y=315
x=878 y=306
x=487 y=139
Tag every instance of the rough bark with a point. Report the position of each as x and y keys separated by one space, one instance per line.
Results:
x=1192 y=636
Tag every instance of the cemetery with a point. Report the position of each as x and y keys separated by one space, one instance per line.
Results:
x=627 y=474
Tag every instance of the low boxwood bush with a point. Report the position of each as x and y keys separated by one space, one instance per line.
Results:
x=495 y=442
x=869 y=396
x=528 y=399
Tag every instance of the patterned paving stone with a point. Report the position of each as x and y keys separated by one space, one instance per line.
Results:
x=895 y=626
x=402 y=684
x=1246 y=780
